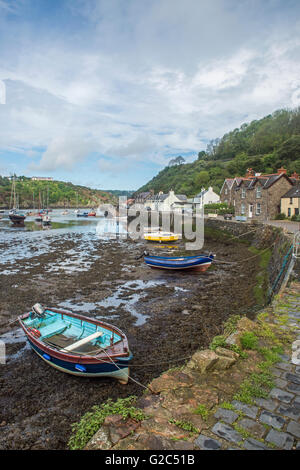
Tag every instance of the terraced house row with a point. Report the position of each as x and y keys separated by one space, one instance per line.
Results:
x=261 y=196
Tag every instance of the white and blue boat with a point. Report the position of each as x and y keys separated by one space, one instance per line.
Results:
x=76 y=344
x=82 y=214
x=200 y=262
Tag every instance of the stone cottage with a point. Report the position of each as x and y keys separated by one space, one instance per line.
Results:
x=259 y=196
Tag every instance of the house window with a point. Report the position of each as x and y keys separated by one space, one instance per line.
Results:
x=258 y=192
x=291 y=200
x=296 y=211
x=243 y=193
x=289 y=212
x=258 y=209
x=242 y=209
x=226 y=190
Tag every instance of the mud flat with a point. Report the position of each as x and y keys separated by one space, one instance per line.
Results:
x=166 y=316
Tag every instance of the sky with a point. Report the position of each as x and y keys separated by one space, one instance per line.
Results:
x=104 y=93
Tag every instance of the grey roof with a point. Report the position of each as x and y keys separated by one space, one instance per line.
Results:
x=143 y=195
x=265 y=180
x=293 y=192
x=229 y=182
x=162 y=197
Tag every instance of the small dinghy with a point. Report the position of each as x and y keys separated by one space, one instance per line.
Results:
x=17 y=218
x=83 y=214
x=201 y=262
x=77 y=344
x=161 y=237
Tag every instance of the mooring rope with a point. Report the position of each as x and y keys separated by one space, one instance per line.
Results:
x=131 y=378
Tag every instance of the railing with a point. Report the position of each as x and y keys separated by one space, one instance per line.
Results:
x=296 y=244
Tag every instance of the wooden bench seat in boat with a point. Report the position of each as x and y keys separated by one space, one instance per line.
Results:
x=83 y=341
x=51 y=330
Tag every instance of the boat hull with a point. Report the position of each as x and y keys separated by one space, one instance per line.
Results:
x=199 y=263
x=162 y=238
x=102 y=369
x=112 y=363
x=17 y=219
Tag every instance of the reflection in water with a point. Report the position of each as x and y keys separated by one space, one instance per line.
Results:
x=115 y=302
x=35 y=240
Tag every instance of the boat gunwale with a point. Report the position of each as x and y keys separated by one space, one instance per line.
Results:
x=180 y=258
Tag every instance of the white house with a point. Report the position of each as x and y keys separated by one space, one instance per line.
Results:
x=166 y=202
x=206 y=196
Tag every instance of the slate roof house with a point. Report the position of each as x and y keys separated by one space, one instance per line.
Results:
x=226 y=193
x=259 y=196
x=206 y=196
x=165 y=202
x=141 y=198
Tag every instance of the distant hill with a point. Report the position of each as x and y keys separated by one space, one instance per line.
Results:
x=117 y=193
x=57 y=193
x=264 y=145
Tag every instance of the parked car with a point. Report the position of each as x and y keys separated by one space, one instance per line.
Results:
x=227 y=216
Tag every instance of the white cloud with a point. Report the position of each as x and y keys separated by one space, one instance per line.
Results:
x=138 y=81
x=64 y=152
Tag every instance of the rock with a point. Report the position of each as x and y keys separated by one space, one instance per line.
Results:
x=281 y=395
x=113 y=420
x=255 y=429
x=227 y=432
x=253 y=444
x=122 y=429
x=272 y=420
x=164 y=428
x=170 y=380
x=149 y=403
x=292 y=378
x=207 y=443
x=248 y=410
x=289 y=411
x=224 y=362
x=227 y=353
x=233 y=339
x=228 y=416
x=294 y=428
x=100 y=441
x=280 y=439
x=244 y=324
x=203 y=360
x=294 y=388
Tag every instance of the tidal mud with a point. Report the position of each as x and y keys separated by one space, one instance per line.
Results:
x=166 y=316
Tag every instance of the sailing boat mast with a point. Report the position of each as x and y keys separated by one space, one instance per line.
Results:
x=12 y=202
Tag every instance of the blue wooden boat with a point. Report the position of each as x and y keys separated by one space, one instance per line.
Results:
x=83 y=214
x=200 y=262
x=77 y=344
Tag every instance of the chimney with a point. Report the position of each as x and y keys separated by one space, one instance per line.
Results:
x=295 y=176
x=250 y=173
x=281 y=171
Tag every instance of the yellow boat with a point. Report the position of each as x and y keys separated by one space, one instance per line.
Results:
x=161 y=237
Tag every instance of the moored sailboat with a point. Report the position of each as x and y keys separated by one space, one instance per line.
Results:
x=17 y=217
